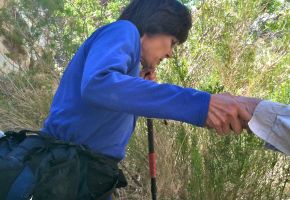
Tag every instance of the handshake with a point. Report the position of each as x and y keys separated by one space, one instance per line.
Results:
x=230 y=113
x=268 y=120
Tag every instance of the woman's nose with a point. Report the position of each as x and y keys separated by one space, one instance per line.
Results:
x=169 y=54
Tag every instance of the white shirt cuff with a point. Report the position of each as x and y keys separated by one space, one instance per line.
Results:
x=271 y=122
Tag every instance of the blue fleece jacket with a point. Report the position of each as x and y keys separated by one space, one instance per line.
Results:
x=100 y=94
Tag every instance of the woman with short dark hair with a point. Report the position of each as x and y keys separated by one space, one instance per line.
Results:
x=101 y=93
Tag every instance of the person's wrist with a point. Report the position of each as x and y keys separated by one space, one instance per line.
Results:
x=248 y=103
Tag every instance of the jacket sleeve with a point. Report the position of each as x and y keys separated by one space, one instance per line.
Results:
x=105 y=82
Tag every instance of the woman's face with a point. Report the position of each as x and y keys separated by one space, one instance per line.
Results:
x=154 y=49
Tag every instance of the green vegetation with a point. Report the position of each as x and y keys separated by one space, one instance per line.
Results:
x=236 y=46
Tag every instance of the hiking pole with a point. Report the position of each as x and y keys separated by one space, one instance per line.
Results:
x=152 y=158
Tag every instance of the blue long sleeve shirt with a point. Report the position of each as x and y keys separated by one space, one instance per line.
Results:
x=100 y=94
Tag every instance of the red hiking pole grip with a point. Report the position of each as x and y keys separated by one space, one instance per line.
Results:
x=152 y=164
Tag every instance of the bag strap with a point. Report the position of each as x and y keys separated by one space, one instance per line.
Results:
x=22 y=134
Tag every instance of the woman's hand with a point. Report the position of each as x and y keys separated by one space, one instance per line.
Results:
x=148 y=73
x=226 y=113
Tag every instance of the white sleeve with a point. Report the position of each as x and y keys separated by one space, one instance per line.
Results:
x=271 y=122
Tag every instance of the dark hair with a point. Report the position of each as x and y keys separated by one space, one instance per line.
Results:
x=159 y=16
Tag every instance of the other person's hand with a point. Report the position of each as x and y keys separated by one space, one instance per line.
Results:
x=249 y=104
